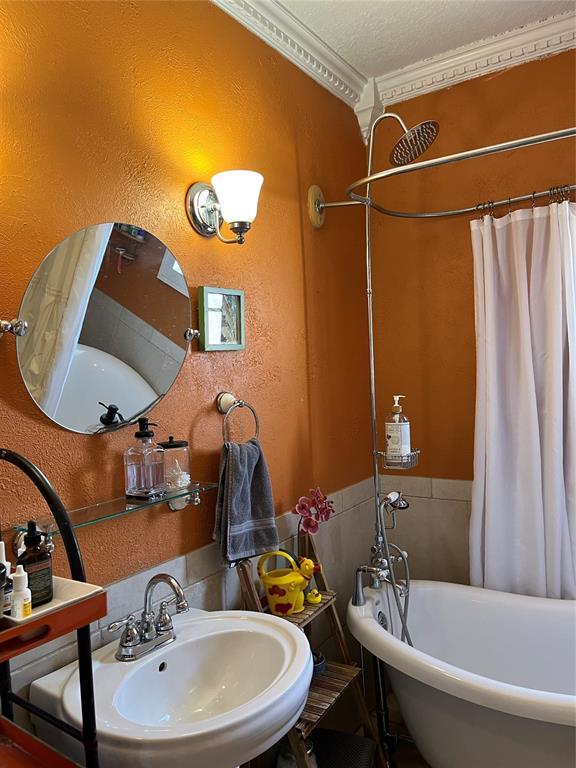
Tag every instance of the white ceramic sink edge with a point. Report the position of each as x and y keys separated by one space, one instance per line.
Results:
x=231 y=685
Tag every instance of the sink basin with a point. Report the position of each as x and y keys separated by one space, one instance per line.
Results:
x=230 y=685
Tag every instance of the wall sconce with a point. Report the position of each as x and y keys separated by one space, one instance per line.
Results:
x=232 y=197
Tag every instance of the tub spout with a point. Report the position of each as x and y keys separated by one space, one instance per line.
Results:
x=378 y=574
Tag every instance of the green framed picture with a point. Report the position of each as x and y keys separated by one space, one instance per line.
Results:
x=221 y=319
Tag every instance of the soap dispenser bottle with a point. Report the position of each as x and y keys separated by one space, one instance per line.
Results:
x=8 y=586
x=36 y=559
x=397 y=431
x=144 y=465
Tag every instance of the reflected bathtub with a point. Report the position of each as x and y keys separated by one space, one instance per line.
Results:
x=491 y=680
x=98 y=376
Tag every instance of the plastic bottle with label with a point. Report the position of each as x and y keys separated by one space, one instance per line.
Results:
x=397 y=431
x=21 y=595
x=37 y=562
x=7 y=606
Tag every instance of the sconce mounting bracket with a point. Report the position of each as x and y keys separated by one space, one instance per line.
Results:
x=202 y=209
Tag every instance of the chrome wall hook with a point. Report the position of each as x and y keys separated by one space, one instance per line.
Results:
x=16 y=327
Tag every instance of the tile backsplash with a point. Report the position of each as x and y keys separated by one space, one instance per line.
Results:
x=434 y=532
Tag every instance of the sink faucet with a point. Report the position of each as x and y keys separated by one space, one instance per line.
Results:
x=140 y=637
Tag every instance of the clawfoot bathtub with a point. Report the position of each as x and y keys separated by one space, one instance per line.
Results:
x=491 y=680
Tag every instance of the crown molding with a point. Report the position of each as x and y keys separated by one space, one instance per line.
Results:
x=519 y=46
x=273 y=23
x=283 y=31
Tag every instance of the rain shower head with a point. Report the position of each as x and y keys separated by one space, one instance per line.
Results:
x=414 y=142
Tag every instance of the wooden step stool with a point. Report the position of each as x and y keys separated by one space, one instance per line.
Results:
x=328 y=687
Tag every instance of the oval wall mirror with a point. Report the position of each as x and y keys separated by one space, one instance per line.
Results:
x=107 y=311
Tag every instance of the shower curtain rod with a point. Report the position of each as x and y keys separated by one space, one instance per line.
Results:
x=357 y=199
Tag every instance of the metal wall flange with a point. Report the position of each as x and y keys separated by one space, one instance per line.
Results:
x=225 y=401
x=316 y=210
x=202 y=209
x=16 y=327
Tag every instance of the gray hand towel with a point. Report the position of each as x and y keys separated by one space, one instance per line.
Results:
x=245 y=522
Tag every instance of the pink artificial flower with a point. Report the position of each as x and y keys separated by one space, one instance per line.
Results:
x=310 y=524
x=317 y=496
x=324 y=511
x=313 y=511
x=303 y=507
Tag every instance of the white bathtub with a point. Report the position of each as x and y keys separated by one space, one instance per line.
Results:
x=491 y=680
x=98 y=376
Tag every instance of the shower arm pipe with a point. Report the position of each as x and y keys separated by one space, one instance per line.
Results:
x=541 y=138
x=380 y=533
x=321 y=206
x=381 y=543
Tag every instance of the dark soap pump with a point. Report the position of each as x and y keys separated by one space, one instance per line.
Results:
x=37 y=562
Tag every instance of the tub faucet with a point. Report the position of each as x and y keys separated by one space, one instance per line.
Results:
x=378 y=574
x=140 y=637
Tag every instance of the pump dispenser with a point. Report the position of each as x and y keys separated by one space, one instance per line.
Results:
x=144 y=464
x=397 y=431
x=36 y=560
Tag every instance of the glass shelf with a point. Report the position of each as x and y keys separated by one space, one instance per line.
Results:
x=107 y=510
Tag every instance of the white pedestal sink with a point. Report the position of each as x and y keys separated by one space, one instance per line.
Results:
x=230 y=685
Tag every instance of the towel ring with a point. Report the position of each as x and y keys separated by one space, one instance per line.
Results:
x=226 y=402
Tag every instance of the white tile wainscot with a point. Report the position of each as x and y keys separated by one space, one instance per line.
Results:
x=434 y=531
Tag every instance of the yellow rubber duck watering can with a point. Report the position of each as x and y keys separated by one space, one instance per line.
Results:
x=285 y=586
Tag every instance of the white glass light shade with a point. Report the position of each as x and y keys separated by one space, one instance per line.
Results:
x=237 y=193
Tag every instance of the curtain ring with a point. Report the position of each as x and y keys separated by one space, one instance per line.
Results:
x=533 y=199
x=491 y=208
x=509 y=207
x=482 y=208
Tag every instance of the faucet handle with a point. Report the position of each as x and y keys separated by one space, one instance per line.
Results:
x=164 y=620
x=131 y=635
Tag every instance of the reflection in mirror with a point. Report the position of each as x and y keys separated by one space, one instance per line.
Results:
x=221 y=318
x=107 y=310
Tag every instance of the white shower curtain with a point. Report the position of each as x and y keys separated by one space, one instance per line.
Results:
x=523 y=526
x=56 y=301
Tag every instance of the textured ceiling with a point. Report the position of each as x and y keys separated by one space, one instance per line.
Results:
x=377 y=37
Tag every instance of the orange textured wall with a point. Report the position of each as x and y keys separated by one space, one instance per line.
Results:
x=423 y=269
x=110 y=111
